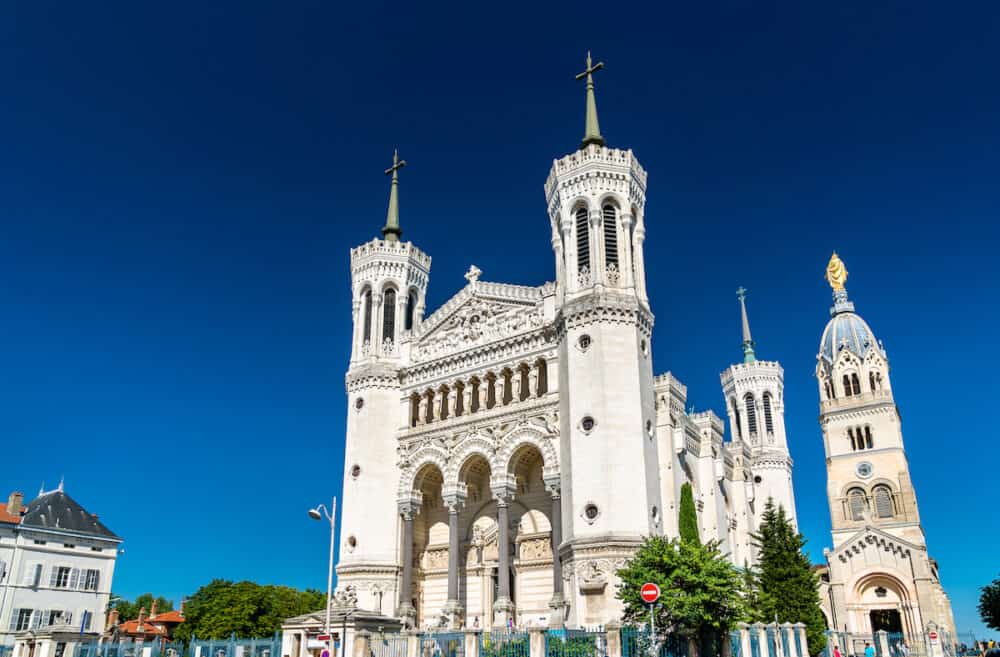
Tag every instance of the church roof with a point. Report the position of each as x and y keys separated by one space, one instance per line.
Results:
x=846 y=330
x=57 y=510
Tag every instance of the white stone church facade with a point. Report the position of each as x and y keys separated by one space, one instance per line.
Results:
x=508 y=452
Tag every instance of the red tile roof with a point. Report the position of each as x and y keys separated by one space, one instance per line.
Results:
x=132 y=627
x=168 y=617
x=6 y=517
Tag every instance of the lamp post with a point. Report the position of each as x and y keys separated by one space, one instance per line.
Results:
x=319 y=513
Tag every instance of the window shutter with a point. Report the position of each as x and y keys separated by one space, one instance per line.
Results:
x=87 y=618
x=883 y=502
x=29 y=574
x=97 y=580
x=68 y=617
x=36 y=619
x=3 y=570
x=54 y=577
x=74 y=578
x=14 y=615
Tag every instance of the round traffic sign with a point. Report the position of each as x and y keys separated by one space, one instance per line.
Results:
x=933 y=636
x=649 y=592
x=325 y=653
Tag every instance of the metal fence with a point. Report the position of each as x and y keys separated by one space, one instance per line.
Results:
x=736 y=644
x=388 y=645
x=504 y=643
x=576 y=643
x=443 y=644
x=640 y=642
x=234 y=647
x=126 y=648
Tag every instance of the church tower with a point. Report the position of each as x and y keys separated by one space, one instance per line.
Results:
x=596 y=199
x=880 y=576
x=755 y=402
x=389 y=283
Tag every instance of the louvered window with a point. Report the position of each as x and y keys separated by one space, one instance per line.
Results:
x=768 y=422
x=368 y=316
x=20 y=620
x=411 y=306
x=610 y=236
x=856 y=384
x=883 y=502
x=739 y=423
x=582 y=240
x=858 y=503
x=389 y=315
x=847 y=386
x=93 y=579
x=869 y=443
x=751 y=414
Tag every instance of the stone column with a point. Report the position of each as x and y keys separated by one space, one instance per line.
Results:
x=882 y=638
x=362 y=643
x=613 y=632
x=532 y=382
x=471 y=643
x=377 y=324
x=498 y=390
x=405 y=610
x=639 y=262
x=744 y=630
x=453 y=608
x=503 y=608
x=515 y=386
x=483 y=393
x=421 y=410
x=627 y=276
x=467 y=399
x=558 y=603
x=536 y=642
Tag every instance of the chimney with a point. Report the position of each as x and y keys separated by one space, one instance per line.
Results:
x=139 y=621
x=15 y=503
x=112 y=618
x=152 y=609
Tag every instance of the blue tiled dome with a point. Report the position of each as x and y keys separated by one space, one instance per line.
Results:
x=846 y=330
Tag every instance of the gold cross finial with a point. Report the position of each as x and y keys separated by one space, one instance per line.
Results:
x=592 y=131
x=397 y=163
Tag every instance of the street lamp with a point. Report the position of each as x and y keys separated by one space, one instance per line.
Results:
x=318 y=514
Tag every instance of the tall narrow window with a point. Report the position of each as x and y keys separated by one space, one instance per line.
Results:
x=751 y=414
x=739 y=423
x=543 y=377
x=414 y=409
x=368 y=316
x=474 y=397
x=582 y=240
x=858 y=503
x=411 y=307
x=768 y=422
x=491 y=390
x=854 y=444
x=443 y=398
x=856 y=384
x=847 y=386
x=868 y=437
x=459 y=398
x=508 y=387
x=829 y=390
x=429 y=415
x=871 y=381
x=389 y=315
x=610 y=236
x=883 y=501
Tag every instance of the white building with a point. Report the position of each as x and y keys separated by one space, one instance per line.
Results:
x=57 y=562
x=505 y=454
x=879 y=575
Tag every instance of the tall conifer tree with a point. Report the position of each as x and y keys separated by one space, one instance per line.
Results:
x=687 y=520
x=788 y=588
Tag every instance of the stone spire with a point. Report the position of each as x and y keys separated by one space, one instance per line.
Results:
x=748 y=354
x=392 y=231
x=592 y=131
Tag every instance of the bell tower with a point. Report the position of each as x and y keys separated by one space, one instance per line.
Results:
x=754 y=391
x=610 y=480
x=389 y=283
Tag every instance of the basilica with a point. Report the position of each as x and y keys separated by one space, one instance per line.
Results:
x=506 y=453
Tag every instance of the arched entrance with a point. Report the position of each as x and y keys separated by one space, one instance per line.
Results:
x=883 y=603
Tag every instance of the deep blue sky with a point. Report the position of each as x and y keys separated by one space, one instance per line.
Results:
x=180 y=184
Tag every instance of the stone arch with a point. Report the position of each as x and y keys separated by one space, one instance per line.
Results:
x=871 y=579
x=615 y=200
x=425 y=456
x=473 y=445
x=526 y=436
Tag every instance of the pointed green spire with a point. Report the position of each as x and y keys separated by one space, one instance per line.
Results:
x=392 y=231
x=592 y=131
x=748 y=344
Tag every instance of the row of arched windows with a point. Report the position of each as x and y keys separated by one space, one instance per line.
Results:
x=859 y=505
x=609 y=232
x=479 y=393
x=852 y=385
x=751 y=406
x=388 y=314
x=860 y=438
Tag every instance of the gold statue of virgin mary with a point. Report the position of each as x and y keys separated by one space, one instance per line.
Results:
x=836 y=272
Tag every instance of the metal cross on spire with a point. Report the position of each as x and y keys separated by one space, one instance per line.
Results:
x=392 y=231
x=592 y=131
x=748 y=344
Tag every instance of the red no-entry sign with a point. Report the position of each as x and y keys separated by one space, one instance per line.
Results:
x=933 y=636
x=649 y=593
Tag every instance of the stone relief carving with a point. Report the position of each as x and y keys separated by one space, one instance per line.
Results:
x=479 y=321
x=346 y=597
x=435 y=558
x=536 y=548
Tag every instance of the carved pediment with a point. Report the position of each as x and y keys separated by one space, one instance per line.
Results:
x=474 y=321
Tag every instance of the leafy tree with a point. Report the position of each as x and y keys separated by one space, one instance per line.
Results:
x=700 y=588
x=130 y=610
x=751 y=595
x=221 y=608
x=788 y=587
x=989 y=604
x=688 y=517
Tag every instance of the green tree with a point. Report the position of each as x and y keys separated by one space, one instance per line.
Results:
x=751 y=595
x=700 y=589
x=247 y=609
x=687 y=516
x=788 y=587
x=130 y=610
x=989 y=604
